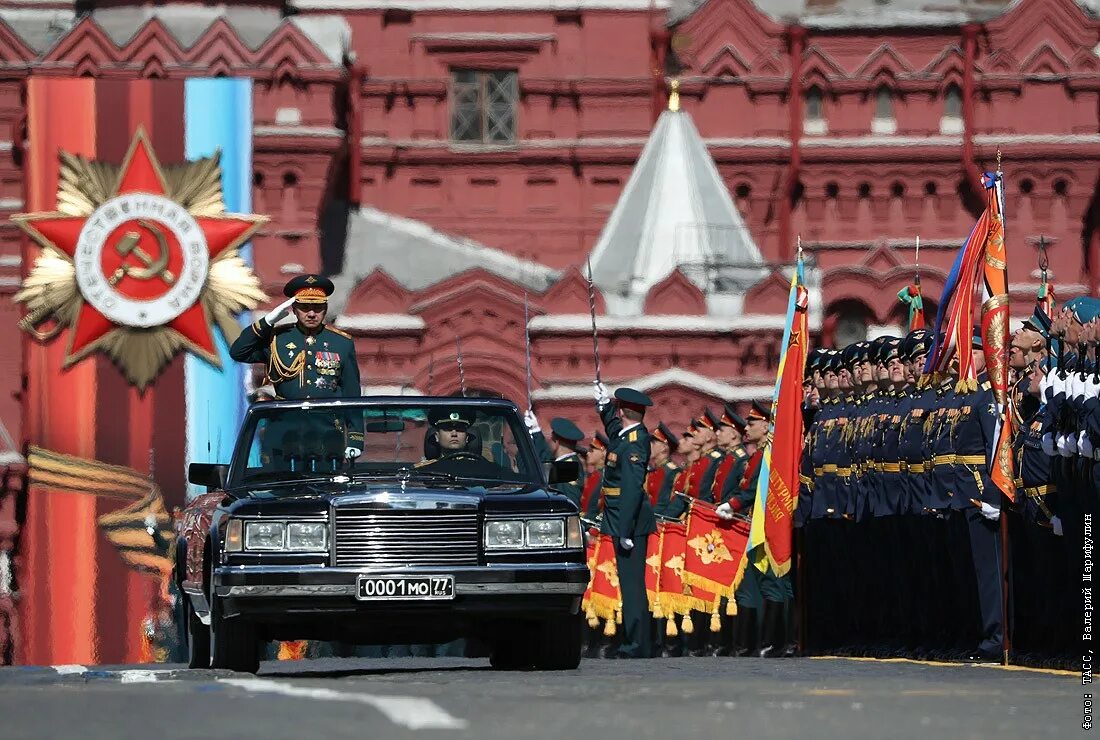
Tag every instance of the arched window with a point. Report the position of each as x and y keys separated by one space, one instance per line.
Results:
x=884 y=103
x=814 y=109
x=952 y=122
x=883 y=122
x=952 y=101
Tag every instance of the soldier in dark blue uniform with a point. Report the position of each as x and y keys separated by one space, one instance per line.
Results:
x=628 y=516
x=980 y=501
x=306 y=359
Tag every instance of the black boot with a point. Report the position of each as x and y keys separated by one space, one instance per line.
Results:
x=747 y=636
x=697 y=640
x=724 y=643
x=790 y=642
x=773 y=630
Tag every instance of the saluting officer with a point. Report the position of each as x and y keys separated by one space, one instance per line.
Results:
x=306 y=359
x=628 y=516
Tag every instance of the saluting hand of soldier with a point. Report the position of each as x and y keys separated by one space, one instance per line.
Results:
x=280 y=312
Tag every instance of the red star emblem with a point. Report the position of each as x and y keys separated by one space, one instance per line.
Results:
x=141 y=262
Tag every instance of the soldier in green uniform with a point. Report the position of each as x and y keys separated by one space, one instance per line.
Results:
x=565 y=436
x=306 y=359
x=628 y=515
x=662 y=471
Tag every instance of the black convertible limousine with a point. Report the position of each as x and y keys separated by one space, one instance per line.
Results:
x=444 y=527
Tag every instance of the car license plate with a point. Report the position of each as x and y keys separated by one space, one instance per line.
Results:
x=405 y=588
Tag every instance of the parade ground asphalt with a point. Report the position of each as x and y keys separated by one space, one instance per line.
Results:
x=721 y=698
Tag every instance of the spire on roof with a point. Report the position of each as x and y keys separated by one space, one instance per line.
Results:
x=674 y=212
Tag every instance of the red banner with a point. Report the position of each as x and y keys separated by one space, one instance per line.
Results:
x=786 y=451
x=713 y=555
x=604 y=600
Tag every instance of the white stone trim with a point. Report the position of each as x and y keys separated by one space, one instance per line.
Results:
x=995 y=139
x=884 y=126
x=649 y=383
x=288 y=117
x=582 y=322
x=815 y=127
x=951 y=125
x=761 y=142
x=11 y=204
x=292 y=268
x=876 y=141
x=480 y=5
x=377 y=322
x=317 y=132
x=11 y=260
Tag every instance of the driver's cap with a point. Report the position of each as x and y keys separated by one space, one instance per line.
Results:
x=458 y=417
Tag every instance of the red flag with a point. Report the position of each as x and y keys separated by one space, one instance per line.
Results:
x=713 y=555
x=786 y=446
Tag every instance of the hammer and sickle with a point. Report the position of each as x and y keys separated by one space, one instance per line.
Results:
x=154 y=268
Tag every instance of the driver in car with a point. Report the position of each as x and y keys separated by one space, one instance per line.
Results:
x=452 y=432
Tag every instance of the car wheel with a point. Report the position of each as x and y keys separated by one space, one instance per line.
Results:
x=512 y=650
x=198 y=638
x=559 y=643
x=233 y=642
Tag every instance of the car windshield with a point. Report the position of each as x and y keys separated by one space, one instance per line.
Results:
x=476 y=443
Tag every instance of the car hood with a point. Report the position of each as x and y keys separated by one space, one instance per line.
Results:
x=392 y=495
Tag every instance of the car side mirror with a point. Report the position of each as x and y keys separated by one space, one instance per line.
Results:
x=563 y=471
x=211 y=475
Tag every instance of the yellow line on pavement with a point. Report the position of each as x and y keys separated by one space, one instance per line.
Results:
x=1027 y=669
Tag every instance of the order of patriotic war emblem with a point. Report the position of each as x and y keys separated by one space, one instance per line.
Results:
x=139 y=261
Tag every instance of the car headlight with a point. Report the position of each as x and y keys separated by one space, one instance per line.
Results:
x=503 y=535
x=307 y=536
x=264 y=535
x=546 y=533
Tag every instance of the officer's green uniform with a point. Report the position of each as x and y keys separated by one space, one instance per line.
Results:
x=320 y=364
x=568 y=433
x=628 y=515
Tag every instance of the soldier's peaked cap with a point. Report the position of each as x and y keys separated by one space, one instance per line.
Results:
x=731 y=418
x=760 y=411
x=309 y=289
x=600 y=441
x=460 y=416
x=709 y=419
x=631 y=397
x=666 y=435
x=566 y=430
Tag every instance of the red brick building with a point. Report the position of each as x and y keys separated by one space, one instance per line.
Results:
x=444 y=159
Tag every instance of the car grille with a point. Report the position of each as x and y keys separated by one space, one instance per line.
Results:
x=392 y=538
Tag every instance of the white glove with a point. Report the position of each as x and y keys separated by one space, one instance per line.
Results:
x=150 y=524
x=992 y=513
x=352 y=452
x=1058 y=385
x=724 y=511
x=532 y=422
x=280 y=312
x=1046 y=385
x=626 y=543
x=1048 y=445
x=1056 y=524
x=1084 y=445
x=600 y=394
x=1076 y=386
x=1092 y=386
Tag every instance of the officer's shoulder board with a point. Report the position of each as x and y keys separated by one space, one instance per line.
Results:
x=715 y=454
x=669 y=465
x=633 y=436
x=740 y=452
x=986 y=385
x=341 y=332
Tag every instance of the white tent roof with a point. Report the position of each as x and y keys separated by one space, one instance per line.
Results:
x=675 y=211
